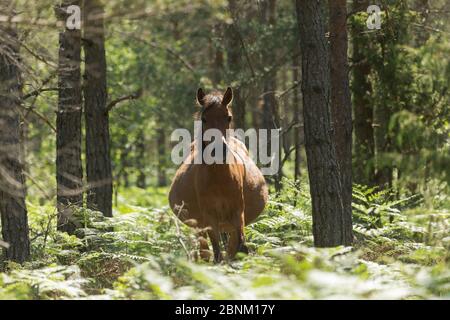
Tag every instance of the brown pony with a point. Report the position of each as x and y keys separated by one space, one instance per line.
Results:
x=219 y=197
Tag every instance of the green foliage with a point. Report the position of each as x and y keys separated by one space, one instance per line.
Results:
x=144 y=252
x=45 y=283
x=375 y=208
x=409 y=81
x=402 y=235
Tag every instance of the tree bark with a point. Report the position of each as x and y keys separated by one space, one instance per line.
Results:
x=216 y=56
x=382 y=114
x=13 y=209
x=423 y=9
x=341 y=108
x=161 y=141
x=140 y=161
x=364 y=167
x=98 y=158
x=235 y=65
x=269 y=102
x=270 y=117
x=298 y=118
x=69 y=171
x=123 y=176
x=330 y=228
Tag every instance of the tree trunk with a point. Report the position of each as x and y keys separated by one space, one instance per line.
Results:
x=98 y=158
x=298 y=118
x=235 y=65
x=269 y=106
x=423 y=9
x=69 y=171
x=270 y=119
x=341 y=108
x=13 y=209
x=364 y=167
x=216 y=56
x=124 y=162
x=161 y=141
x=255 y=102
x=140 y=163
x=382 y=115
x=330 y=227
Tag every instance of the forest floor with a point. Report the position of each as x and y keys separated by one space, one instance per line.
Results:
x=144 y=252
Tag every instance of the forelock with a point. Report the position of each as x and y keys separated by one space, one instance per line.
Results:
x=212 y=99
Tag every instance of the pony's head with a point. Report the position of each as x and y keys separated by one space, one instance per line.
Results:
x=214 y=112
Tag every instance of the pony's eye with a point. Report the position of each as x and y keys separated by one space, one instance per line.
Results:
x=230 y=118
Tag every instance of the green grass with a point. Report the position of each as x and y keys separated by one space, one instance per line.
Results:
x=401 y=252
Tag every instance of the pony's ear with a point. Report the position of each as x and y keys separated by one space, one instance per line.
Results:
x=227 y=97
x=200 y=96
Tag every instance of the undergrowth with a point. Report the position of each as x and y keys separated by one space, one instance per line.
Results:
x=401 y=251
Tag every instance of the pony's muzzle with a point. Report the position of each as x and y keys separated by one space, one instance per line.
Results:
x=218 y=158
x=224 y=152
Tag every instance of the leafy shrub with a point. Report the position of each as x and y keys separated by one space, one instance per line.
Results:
x=144 y=252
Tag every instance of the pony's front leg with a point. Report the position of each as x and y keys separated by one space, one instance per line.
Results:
x=214 y=236
x=242 y=247
x=237 y=237
x=233 y=245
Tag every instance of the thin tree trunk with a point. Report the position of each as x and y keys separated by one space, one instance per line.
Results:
x=255 y=102
x=161 y=141
x=235 y=65
x=383 y=168
x=282 y=118
x=13 y=210
x=298 y=118
x=124 y=162
x=364 y=168
x=217 y=57
x=98 y=158
x=330 y=228
x=382 y=115
x=341 y=108
x=423 y=9
x=140 y=163
x=69 y=171
x=269 y=100
x=24 y=143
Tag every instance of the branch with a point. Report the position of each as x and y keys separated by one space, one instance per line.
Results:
x=41 y=116
x=244 y=48
x=37 y=184
x=139 y=13
x=31 y=108
x=132 y=96
x=37 y=92
x=166 y=48
x=272 y=68
x=284 y=131
x=286 y=156
x=283 y=93
x=4 y=244
x=418 y=25
x=38 y=56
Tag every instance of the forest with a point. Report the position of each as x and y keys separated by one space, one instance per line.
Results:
x=354 y=92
